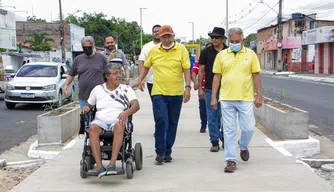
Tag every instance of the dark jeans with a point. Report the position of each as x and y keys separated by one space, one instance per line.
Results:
x=166 y=110
x=214 y=117
x=202 y=113
x=149 y=87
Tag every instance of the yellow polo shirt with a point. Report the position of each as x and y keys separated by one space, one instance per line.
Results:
x=168 y=68
x=236 y=70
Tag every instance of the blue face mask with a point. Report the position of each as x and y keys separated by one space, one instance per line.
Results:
x=235 y=47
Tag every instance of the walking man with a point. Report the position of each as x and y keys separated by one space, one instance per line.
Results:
x=170 y=62
x=206 y=60
x=235 y=70
x=89 y=67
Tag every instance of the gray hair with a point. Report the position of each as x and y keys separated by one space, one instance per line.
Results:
x=236 y=30
x=89 y=39
x=107 y=69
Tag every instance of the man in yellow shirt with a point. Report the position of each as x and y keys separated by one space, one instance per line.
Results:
x=170 y=62
x=235 y=69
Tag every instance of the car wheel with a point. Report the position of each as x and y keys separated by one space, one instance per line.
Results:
x=10 y=105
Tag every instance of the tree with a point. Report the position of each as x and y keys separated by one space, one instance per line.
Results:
x=249 y=38
x=39 y=42
x=35 y=19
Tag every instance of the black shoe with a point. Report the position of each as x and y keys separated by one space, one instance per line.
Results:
x=168 y=158
x=160 y=159
x=215 y=146
x=202 y=130
x=222 y=140
x=244 y=154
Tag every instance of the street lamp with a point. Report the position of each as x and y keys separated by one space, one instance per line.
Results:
x=77 y=11
x=192 y=27
x=141 y=28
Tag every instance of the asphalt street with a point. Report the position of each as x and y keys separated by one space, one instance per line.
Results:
x=17 y=125
x=314 y=97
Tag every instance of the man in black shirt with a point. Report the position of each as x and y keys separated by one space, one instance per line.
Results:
x=206 y=61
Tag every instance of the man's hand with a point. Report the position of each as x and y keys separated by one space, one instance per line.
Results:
x=195 y=85
x=65 y=90
x=127 y=81
x=139 y=85
x=111 y=55
x=201 y=94
x=143 y=84
x=85 y=109
x=258 y=101
x=186 y=95
x=122 y=117
x=214 y=103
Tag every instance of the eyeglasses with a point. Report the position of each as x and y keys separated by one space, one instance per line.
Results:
x=116 y=73
x=215 y=37
x=156 y=31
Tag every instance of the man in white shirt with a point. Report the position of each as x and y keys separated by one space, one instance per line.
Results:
x=143 y=54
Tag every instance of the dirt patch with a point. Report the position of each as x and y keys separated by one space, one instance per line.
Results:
x=12 y=176
x=280 y=106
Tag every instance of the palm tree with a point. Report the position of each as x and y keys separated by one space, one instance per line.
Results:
x=39 y=42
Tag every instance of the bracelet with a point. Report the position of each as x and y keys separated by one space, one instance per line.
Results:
x=188 y=86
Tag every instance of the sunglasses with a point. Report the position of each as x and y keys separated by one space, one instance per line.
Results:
x=215 y=37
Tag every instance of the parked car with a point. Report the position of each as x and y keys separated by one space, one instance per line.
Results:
x=40 y=82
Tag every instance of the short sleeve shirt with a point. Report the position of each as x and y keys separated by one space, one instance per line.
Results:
x=89 y=71
x=237 y=70
x=207 y=58
x=119 y=54
x=108 y=108
x=142 y=57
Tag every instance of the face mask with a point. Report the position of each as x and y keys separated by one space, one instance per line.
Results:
x=169 y=47
x=88 y=50
x=235 y=47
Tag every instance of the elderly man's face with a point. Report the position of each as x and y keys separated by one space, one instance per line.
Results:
x=110 y=43
x=167 y=40
x=115 y=76
x=235 y=38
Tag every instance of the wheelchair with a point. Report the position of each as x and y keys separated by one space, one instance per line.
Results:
x=127 y=154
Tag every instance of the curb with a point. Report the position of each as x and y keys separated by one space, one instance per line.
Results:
x=297 y=148
x=46 y=154
x=317 y=163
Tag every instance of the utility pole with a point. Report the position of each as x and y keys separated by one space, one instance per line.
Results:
x=192 y=31
x=141 y=28
x=62 y=34
x=279 y=37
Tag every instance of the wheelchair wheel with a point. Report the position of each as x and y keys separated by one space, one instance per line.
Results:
x=83 y=169
x=129 y=169
x=138 y=156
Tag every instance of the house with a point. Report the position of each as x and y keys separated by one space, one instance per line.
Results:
x=299 y=57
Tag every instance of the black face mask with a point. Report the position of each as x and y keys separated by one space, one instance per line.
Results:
x=88 y=50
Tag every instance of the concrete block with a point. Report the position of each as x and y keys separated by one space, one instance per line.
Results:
x=3 y=163
x=56 y=129
x=286 y=125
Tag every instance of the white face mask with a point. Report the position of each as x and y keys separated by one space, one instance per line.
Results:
x=169 y=47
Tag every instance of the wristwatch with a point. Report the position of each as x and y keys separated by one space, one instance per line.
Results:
x=188 y=86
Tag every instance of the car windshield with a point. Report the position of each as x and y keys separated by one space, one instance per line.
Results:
x=38 y=71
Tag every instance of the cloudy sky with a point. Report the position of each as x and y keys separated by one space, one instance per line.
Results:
x=250 y=15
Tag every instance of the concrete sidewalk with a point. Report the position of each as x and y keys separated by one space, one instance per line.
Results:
x=194 y=168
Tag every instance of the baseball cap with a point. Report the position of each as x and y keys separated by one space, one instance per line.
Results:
x=166 y=29
x=116 y=60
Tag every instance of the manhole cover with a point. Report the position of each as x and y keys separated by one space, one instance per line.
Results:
x=327 y=167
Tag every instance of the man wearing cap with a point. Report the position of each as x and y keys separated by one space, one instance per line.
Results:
x=170 y=63
x=206 y=60
x=236 y=68
x=111 y=52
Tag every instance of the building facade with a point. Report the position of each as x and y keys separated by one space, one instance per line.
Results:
x=297 y=57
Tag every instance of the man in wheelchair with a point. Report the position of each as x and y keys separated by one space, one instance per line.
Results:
x=114 y=103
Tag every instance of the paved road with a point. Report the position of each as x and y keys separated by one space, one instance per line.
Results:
x=316 y=98
x=17 y=125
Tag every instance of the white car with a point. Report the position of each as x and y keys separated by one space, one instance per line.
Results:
x=40 y=82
